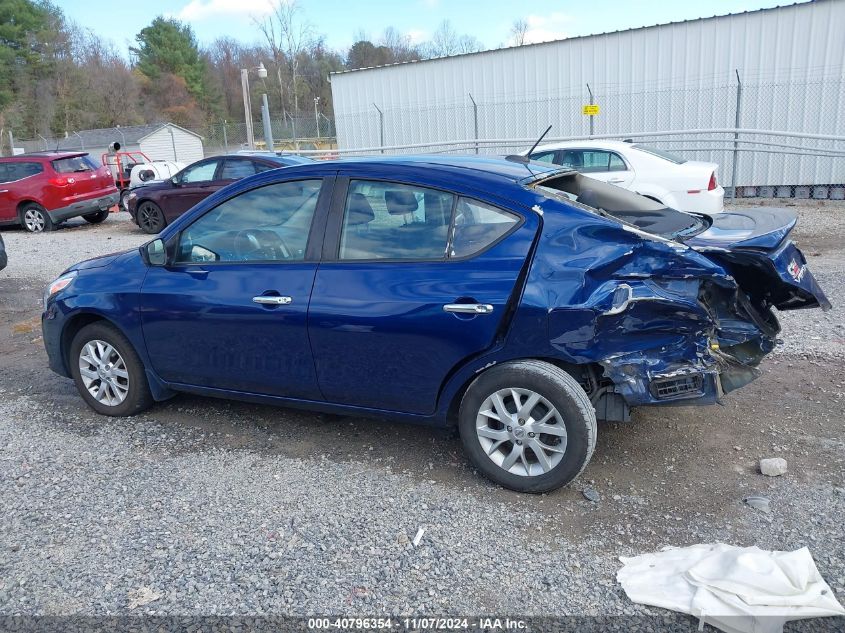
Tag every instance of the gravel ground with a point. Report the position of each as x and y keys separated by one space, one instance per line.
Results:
x=205 y=507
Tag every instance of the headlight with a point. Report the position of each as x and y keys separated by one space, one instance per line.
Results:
x=58 y=285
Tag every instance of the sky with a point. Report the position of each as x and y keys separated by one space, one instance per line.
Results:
x=340 y=20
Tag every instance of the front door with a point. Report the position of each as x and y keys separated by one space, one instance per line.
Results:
x=418 y=281
x=193 y=184
x=230 y=311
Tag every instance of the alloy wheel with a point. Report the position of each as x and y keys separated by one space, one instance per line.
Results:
x=521 y=432
x=104 y=372
x=150 y=218
x=34 y=220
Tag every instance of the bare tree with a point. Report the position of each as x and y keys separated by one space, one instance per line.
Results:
x=447 y=41
x=519 y=32
x=288 y=38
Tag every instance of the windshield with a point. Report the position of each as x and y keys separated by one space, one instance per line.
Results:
x=620 y=204
x=672 y=158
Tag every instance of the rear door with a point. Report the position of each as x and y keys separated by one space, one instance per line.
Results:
x=414 y=281
x=233 y=169
x=230 y=312
x=193 y=184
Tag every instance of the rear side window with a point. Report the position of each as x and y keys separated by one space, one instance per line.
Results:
x=74 y=164
x=9 y=172
x=544 y=157
x=406 y=222
x=385 y=220
x=237 y=169
x=477 y=226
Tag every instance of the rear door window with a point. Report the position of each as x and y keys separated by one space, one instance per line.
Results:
x=384 y=220
x=544 y=157
x=10 y=172
x=235 y=169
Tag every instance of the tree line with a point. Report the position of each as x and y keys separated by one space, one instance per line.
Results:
x=57 y=76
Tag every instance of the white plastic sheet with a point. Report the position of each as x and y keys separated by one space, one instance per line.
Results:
x=735 y=589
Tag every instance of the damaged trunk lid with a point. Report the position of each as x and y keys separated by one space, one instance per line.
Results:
x=753 y=245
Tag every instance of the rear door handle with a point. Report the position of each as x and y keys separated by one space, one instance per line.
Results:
x=616 y=180
x=469 y=308
x=272 y=300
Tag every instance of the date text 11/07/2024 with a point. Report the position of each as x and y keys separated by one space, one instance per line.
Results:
x=491 y=624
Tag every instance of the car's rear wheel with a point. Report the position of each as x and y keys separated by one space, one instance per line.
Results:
x=96 y=218
x=528 y=425
x=35 y=219
x=107 y=371
x=150 y=217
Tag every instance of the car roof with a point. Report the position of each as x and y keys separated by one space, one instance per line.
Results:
x=596 y=143
x=46 y=155
x=495 y=167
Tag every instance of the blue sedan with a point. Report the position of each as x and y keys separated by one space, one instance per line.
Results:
x=514 y=299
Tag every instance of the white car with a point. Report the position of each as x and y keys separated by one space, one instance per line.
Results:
x=685 y=185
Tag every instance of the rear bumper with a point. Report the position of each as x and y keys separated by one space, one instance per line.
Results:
x=702 y=202
x=84 y=207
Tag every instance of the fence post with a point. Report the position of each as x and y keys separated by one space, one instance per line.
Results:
x=737 y=119
x=474 y=120
x=591 y=117
x=225 y=138
x=11 y=144
x=380 y=127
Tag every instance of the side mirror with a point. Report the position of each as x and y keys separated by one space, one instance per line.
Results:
x=175 y=181
x=156 y=253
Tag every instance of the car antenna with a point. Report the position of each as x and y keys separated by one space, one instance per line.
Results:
x=517 y=158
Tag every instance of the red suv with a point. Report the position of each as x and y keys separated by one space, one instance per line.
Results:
x=42 y=189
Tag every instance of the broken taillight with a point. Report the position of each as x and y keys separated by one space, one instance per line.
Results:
x=712 y=185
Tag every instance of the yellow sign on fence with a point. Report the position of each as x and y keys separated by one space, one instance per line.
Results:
x=591 y=109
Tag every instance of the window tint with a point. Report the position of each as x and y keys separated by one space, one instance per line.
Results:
x=391 y=221
x=9 y=172
x=616 y=163
x=477 y=226
x=674 y=158
x=200 y=173
x=544 y=157
x=260 y=167
x=266 y=224
x=595 y=160
x=237 y=169
x=74 y=164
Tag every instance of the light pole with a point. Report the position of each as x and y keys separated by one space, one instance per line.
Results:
x=317 y=115
x=262 y=73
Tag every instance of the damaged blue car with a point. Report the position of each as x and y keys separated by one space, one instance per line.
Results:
x=513 y=299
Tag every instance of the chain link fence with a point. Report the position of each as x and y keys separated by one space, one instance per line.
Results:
x=770 y=138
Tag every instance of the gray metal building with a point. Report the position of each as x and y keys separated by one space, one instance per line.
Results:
x=777 y=69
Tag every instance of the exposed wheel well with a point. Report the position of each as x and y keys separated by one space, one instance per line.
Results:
x=76 y=323
x=588 y=376
x=24 y=203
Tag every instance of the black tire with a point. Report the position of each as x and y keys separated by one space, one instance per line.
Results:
x=150 y=217
x=96 y=218
x=137 y=397
x=35 y=219
x=557 y=388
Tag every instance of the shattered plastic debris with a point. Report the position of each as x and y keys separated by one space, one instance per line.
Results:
x=758 y=502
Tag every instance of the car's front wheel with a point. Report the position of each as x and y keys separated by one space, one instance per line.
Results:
x=150 y=217
x=96 y=218
x=35 y=219
x=108 y=372
x=528 y=425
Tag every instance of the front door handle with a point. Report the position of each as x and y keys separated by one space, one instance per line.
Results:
x=469 y=308
x=272 y=300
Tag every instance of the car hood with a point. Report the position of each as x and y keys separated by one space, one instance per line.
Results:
x=101 y=261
